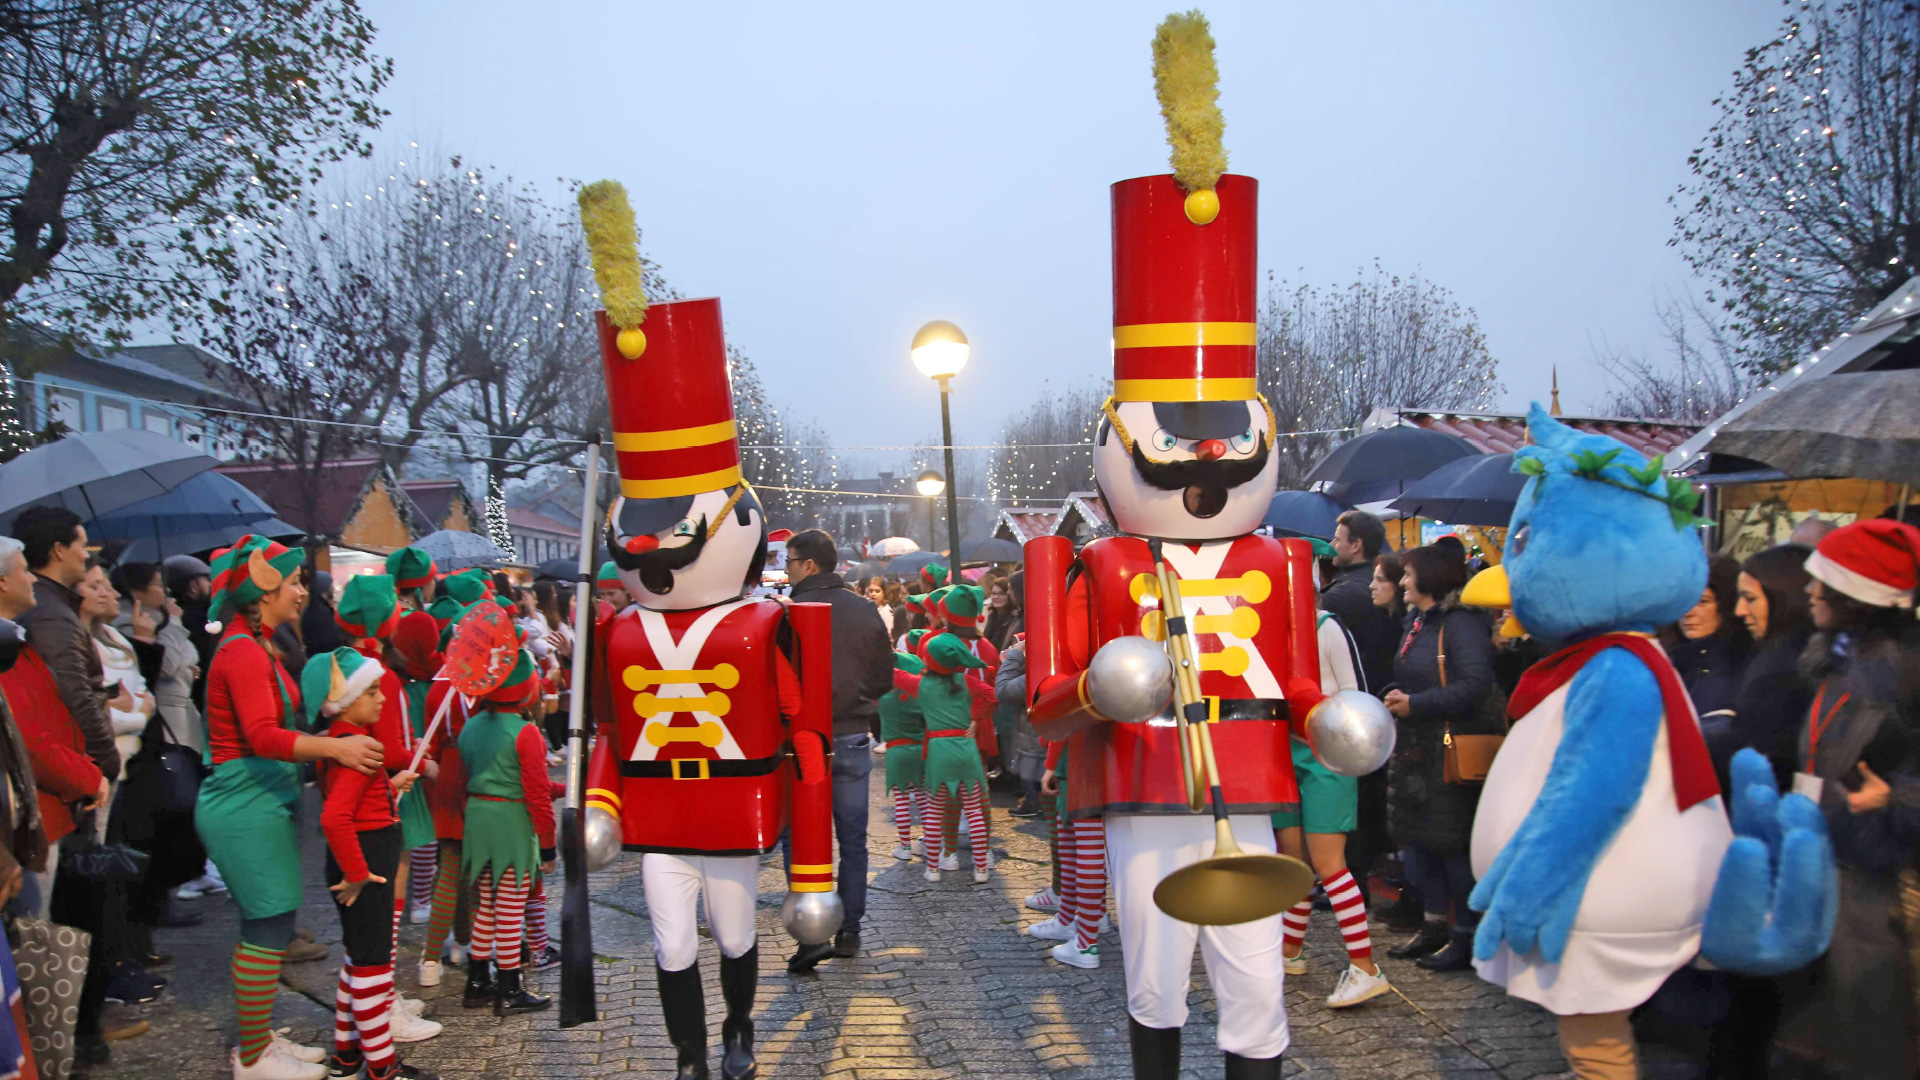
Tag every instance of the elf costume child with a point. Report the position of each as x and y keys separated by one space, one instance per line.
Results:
x=1080 y=861
x=415 y=650
x=902 y=731
x=952 y=758
x=510 y=836
x=360 y=821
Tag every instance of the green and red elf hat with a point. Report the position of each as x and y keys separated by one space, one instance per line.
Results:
x=608 y=577
x=253 y=567
x=963 y=605
x=935 y=575
x=520 y=684
x=410 y=568
x=907 y=662
x=332 y=680
x=935 y=604
x=369 y=607
x=946 y=654
x=466 y=586
x=915 y=603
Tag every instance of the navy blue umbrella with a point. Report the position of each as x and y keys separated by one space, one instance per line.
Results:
x=911 y=562
x=205 y=511
x=1382 y=464
x=1471 y=491
x=94 y=473
x=1303 y=513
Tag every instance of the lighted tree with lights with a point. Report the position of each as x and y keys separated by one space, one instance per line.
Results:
x=1046 y=450
x=1803 y=210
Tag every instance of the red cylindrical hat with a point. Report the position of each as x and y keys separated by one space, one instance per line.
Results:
x=1184 y=294
x=672 y=408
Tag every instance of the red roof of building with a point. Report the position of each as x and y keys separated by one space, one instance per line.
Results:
x=532 y=522
x=1503 y=433
x=337 y=490
x=434 y=496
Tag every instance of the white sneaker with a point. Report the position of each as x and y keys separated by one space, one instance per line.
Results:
x=919 y=847
x=903 y=853
x=421 y=914
x=411 y=1006
x=933 y=873
x=430 y=972
x=1051 y=930
x=1044 y=900
x=272 y=1066
x=1294 y=965
x=411 y=1029
x=284 y=1046
x=1068 y=953
x=980 y=876
x=456 y=954
x=950 y=861
x=1356 y=986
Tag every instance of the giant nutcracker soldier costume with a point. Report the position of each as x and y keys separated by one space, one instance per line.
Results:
x=710 y=745
x=1184 y=459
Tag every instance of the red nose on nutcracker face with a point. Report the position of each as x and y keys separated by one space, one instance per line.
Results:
x=1211 y=449
x=640 y=545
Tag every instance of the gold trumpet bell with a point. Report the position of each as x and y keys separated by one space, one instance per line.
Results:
x=1234 y=886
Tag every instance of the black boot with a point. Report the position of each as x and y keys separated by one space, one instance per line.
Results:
x=739 y=977
x=1457 y=956
x=513 y=998
x=1431 y=939
x=480 y=988
x=1404 y=915
x=1156 y=1051
x=1246 y=1068
x=684 y=1004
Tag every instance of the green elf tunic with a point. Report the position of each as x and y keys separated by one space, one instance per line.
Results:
x=416 y=817
x=952 y=757
x=245 y=814
x=509 y=803
x=903 y=729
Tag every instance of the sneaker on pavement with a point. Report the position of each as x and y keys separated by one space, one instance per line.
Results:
x=300 y=951
x=420 y=914
x=1068 y=952
x=272 y=1066
x=932 y=873
x=550 y=958
x=430 y=972
x=1051 y=930
x=313 y=1055
x=1044 y=900
x=456 y=954
x=1357 y=986
x=980 y=876
x=950 y=861
x=411 y=1029
x=410 y=1006
x=1297 y=965
x=902 y=852
x=919 y=847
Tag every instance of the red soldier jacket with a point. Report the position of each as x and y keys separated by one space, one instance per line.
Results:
x=1246 y=602
x=697 y=708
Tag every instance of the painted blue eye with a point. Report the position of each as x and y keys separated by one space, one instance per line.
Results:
x=685 y=528
x=1244 y=442
x=1162 y=440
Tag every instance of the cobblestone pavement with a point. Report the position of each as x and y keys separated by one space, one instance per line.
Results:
x=948 y=987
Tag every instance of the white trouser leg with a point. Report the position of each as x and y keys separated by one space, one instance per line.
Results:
x=672 y=887
x=732 y=884
x=1243 y=962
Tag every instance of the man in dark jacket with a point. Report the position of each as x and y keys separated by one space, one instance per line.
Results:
x=862 y=671
x=55 y=545
x=1357 y=541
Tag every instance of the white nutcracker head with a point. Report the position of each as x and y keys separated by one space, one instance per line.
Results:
x=688 y=551
x=1186 y=470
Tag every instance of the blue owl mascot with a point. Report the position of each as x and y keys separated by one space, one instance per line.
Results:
x=1604 y=851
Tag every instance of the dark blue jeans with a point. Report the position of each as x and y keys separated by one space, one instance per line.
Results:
x=852 y=764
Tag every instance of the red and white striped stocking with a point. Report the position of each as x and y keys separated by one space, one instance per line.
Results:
x=372 y=985
x=936 y=809
x=422 y=862
x=972 y=800
x=346 y=1037
x=1293 y=926
x=480 y=947
x=509 y=920
x=903 y=815
x=1348 y=907
x=1068 y=869
x=537 y=940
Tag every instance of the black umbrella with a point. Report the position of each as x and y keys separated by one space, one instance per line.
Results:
x=1379 y=464
x=97 y=472
x=904 y=565
x=1468 y=491
x=991 y=550
x=1303 y=513
x=567 y=570
x=1864 y=424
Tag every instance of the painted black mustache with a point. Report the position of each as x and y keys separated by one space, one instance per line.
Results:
x=1222 y=474
x=656 y=567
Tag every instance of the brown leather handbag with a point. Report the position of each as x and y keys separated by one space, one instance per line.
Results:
x=1468 y=758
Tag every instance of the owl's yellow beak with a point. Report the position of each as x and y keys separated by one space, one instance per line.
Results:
x=1489 y=589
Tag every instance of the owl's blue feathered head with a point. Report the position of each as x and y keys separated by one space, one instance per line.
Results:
x=1600 y=540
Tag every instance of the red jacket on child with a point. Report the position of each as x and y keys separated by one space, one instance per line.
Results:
x=355 y=803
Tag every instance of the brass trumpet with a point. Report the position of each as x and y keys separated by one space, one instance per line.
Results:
x=1233 y=885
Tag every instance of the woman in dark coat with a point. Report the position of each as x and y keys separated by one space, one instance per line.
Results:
x=1772 y=700
x=1709 y=646
x=1861 y=740
x=1431 y=819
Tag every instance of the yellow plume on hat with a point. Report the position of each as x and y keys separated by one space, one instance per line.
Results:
x=614 y=245
x=1186 y=81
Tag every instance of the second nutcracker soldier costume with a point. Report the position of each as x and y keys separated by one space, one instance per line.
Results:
x=715 y=730
x=1184 y=458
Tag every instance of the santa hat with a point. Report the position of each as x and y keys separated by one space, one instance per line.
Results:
x=411 y=568
x=417 y=640
x=369 y=607
x=1876 y=562
x=331 y=681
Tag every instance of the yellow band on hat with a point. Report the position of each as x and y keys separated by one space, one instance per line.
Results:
x=1164 y=334
x=675 y=439
x=680 y=485
x=1184 y=390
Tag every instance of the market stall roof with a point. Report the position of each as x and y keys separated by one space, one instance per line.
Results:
x=1083 y=517
x=1503 y=433
x=1022 y=523
x=1886 y=337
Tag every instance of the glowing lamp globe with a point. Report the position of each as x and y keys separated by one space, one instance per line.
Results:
x=930 y=483
x=940 y=350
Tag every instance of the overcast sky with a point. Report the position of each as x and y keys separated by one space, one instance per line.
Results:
x=838 y=175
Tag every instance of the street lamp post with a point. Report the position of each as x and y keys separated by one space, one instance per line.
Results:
x=940 y=350
x=930 y=483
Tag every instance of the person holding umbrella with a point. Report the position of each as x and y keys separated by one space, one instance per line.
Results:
x=245 y=815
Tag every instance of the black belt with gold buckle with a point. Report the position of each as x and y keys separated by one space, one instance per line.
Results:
x=1254 y=708
x=701 y=768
